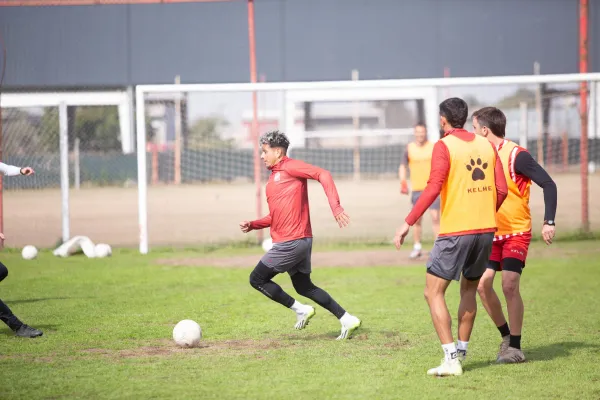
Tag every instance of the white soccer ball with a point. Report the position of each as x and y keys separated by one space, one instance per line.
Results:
x=267 y=244
x=102 y=250
x=187 y=333
x=29 y=252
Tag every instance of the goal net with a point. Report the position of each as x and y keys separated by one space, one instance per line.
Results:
x=88 y=188
x=197 y=149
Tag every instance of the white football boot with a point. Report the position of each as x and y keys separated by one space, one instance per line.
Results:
x=303 y=316
x=349 y=324
x=447 y=368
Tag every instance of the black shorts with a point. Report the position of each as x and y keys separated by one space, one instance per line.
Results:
x=466 y=254
x=415 y=196
x=290 y=257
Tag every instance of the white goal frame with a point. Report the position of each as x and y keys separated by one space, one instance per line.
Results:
x=61 y=100
x=301 y=89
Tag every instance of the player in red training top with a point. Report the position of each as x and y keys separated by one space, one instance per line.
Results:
x=289 y=219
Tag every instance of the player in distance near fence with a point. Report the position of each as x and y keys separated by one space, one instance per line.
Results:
x=417 y=159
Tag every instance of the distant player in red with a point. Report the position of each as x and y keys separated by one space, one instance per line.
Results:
x=289 y=219
x=512 y=239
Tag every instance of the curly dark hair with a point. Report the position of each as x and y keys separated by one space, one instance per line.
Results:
x=275 y=139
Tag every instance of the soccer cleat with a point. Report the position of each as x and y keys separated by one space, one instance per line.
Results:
x=415 y=254
x=503 y=346
x=462 y=355
x=447 y=368
x=28 y=332
x=349 y=324
x=511 y=356
x=303 y=317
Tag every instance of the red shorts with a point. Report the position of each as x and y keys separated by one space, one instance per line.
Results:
x=510 y=247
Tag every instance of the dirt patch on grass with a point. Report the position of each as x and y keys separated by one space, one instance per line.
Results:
x=367 y=258
x=347 y=259
x=165 y=348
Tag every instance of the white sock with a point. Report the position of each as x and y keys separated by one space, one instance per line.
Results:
x=450 y=351
x=417 y=246
x=298 y=307
x=345 y=318
x=462 y=346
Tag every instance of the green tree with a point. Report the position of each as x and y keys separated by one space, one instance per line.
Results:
x=514 y=100
x=206 y=133
x=26 y=133
x=97 y=128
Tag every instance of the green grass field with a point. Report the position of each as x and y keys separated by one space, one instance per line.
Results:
x=108 y=326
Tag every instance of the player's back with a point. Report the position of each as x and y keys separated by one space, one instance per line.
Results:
x=514 y=216
x=469 y=192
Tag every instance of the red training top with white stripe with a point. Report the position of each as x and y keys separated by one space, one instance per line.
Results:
x=287 y=196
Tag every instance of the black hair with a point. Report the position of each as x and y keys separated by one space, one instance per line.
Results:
x=456 y=111
x=275 y=139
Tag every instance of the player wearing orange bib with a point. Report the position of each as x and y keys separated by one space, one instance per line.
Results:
x=466 y=171
x=417 y=158
x=512 y=239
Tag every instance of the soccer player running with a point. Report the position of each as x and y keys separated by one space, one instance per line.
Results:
x=417 y=158
x=289 y=219
x=6 y=314
x=512 y=239
x=466 y=170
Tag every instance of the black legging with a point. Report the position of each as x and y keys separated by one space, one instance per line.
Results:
x=261 y=279
x=6 y=315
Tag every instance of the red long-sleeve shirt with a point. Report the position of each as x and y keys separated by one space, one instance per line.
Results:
x=287 y=196
x=440 y=167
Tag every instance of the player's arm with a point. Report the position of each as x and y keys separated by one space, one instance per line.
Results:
x=302 y=170
x=247 y=226
x=262 y=223
x=525 y=165
x=11 y=170
x=402 y=173
x=440 y=167
x=500 y=179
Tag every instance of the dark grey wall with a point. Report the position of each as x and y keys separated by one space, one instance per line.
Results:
x=296 y=40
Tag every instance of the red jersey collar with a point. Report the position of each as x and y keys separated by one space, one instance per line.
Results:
x=455 y=131
x=284 y=158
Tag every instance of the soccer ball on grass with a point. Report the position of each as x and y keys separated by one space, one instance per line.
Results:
x=187 y=333
x=29 y=252
x=102 y=250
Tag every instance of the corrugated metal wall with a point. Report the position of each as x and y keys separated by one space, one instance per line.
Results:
x=296 y=40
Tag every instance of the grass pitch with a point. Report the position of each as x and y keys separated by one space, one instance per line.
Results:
x=108 y=323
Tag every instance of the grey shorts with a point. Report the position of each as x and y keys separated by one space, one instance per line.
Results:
x=468 y=254
x=415 y=196
x=290 y=257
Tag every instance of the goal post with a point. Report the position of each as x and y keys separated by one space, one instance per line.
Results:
x=35 y=132
x=291 y=107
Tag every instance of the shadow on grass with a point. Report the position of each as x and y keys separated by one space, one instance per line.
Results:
x=543 y=353
x=23 y=301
